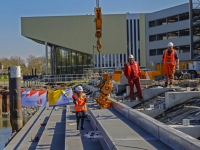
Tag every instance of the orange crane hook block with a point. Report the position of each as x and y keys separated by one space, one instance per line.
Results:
x=98 y=20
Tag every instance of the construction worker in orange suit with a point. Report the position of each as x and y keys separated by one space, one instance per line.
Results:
x=132 y=73
x=80 y=101
x=171 y=62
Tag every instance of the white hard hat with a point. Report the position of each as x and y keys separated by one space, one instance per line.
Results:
x=79 y=88
x=131 y=56
x=170 y=44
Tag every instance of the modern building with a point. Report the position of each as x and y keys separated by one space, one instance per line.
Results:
x=171 y=25
x=72 y=39
x=164 y=26
x=135 y=33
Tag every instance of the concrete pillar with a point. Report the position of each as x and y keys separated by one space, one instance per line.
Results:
x=108 y=61
x=46 y=48
x=15 y=98
x=191 y=27
x=123 y=60
x=51 y=60
x=55 y=64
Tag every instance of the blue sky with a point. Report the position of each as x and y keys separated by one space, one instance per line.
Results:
x=13 y=44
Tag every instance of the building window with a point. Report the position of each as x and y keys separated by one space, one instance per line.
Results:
x=195 y=13
x=184 y=32
x=176 y=48
x=184 y=49
x=152 y=38
x=152 y=52
x=152 y=24
x=162 y=36
x=172 y=19
x=172 y=35
x=196 y=30
x=161 y=22
x=196 y=50
x=160 y=51
x=184 y=16
x=68 y=56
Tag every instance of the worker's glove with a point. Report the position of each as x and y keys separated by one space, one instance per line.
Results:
x=177 y=66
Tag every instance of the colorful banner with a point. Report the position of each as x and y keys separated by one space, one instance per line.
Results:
x=60 y=97
x=34 y=98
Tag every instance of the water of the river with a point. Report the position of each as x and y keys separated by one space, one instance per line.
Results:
x=6 y=129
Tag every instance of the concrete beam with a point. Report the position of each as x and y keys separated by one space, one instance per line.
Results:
x=172 y=137
x=174 y=98
x=124 y=134
x=153 y=92
x=123 y=80
x=153 y=113
x=192 y=130
x=131 y=104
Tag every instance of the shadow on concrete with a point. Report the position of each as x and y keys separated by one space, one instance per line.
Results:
x=39 y=134
x=58 y=141
x=16 y=147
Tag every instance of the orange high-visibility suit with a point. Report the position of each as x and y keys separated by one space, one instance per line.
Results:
x=169 y=65
x=80 y=108
x=132 y=73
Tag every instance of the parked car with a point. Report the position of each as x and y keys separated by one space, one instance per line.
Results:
x=190 y=71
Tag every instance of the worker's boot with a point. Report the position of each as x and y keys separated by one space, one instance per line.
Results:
x=166 y=83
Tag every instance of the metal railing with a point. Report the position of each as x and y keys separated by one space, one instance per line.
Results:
x=89 y=73
x=108 y=70
x=60 y=79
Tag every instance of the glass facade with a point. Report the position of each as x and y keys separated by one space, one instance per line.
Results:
x=72 y=62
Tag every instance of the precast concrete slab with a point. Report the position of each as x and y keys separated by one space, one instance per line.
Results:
x=153 y=92
x=153 y=113
x=121 y=133
x=174 y=98
x=170 y=136
x=192 y=130
x=131 y=104
x=123 y=80
x=23 y=138
x=74 y=139
x=53 y=136
x=119 y=87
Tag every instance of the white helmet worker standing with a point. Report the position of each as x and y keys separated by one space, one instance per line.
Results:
x=170 y=60
x=80 y=101
x=170 y=44
x=131 y=56
x=132 y=73
x=79 y=89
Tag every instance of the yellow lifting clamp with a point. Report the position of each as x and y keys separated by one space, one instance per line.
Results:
x=105 y=88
